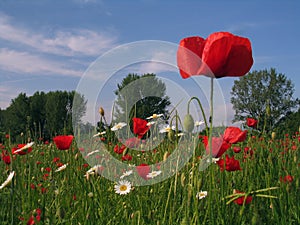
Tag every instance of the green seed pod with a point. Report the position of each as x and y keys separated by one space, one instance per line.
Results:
x=188 y=123
x=268 y=111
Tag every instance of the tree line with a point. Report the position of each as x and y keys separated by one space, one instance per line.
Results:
x=40 y=116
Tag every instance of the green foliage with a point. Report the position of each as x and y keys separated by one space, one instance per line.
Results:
x=140 y=96
x=264 y=95
x=41 y=115
x=288 y=124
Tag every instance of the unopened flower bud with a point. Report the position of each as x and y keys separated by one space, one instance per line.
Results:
x=188 y=123
x=273 y=135
x=101 y=111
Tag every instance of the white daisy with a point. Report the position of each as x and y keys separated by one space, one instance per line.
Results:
x=118 y=126
x=8 y=180
x=153 y=174
x=98 y=134
x=166 y=129
x=201 y=194
x=199 y=123
x=28 y=145
x=214 y=160
x=126 y=174
x=61 y=167
x=123 y=187
x=91 y=153
x=154 y=116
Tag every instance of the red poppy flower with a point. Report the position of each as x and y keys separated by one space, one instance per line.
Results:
x=234 y=135
x=219 y=146
x=222 y=54
x=230 y=164
x=140 y=127
x=126 y=157
x=251 y=122
x=143 y=170
x=5 y=157
x=119 y=149
x=287 y=179
x=240 y=201
x=16 y=150
x=63 y=142
x=237 y=149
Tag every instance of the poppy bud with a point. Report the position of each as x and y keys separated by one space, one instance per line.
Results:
x=188 y=123
x=182 y=179
x=166 y=156
x=273 y=135
x=101 y=111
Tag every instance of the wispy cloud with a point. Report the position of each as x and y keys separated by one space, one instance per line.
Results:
x=23 y=62
x=82 y=42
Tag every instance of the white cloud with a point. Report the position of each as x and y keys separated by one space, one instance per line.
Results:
x=23 y=62
x=82 y=42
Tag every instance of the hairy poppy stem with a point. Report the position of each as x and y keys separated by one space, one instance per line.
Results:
x=202 y=111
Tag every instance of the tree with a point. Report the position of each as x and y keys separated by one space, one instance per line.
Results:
x=264 y=95
x=140 y=96
x=289 y=124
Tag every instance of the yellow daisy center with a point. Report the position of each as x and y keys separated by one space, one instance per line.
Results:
x=123 y=187
x=154 y=116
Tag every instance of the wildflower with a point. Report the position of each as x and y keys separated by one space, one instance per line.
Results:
x=21 y=147
x=221 y=54
x=153 y=174
x=133 y=142
x=143 y=170
x=118 y=149
x=166 y=129
x=8 y=180
x=63 y=142
x=230 y=164
x=61 y=168
x=287 y=179
x=201 y=194
x=126 y=157
x=126 y=174
x=123 y=187
x=236 y=149
x=198 y=123
x=234 y=135
x=251 y=122
x=219 y=146
x=118 y=126
x=93 y=170
x=5 y=157
x=140 y=127
x=154 y=116
x=241 y=200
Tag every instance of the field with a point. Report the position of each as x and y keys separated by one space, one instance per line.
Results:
x=267 y=174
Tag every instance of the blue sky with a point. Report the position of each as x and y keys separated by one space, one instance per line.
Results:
x=48 y=45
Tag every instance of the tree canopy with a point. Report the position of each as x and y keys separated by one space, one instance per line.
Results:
x=41 y=115
x=264 y=95
x=140 y=96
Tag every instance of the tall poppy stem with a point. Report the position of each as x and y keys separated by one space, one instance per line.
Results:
x=210 y=147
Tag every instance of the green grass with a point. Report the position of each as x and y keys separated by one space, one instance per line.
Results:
x=172 y=201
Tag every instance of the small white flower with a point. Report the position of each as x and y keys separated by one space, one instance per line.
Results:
x=199 y=123
x=150 y=123
x=126 y=174
x=123 y=187
x=8 y=180
x=154 y=116
x=91 y=153
x=93 y=170
x=28 y=145
x=166 y=129
x=180 y=134
x=153 y=174
x=201 y=194
x=61 y=167
x=98 y=134
x=118 y=126
x=214 y=160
